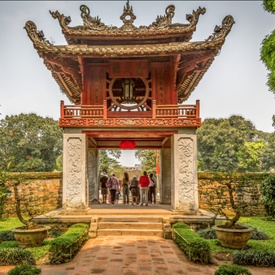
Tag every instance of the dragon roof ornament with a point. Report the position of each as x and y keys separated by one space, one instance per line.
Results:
x=93 y=24
x=220 y=32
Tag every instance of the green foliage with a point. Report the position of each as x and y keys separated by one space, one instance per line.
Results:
x=232 y=145
x=207 y=233
x=268 y=46
x=148 y=160
x=64 y=248
x=268 y=195
x=269 y=5
x=8 y=224
x=195 y=247
x=29 y=143
x=40 y=251
x=6 y=236
x=232 y=269
x=258 y=234
x=8 y=244
x=25 y=269
x=254 y=257
x=108 y=162
x=3 y=192
x=15 y=256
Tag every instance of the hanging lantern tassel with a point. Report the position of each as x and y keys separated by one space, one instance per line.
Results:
x=127 y=144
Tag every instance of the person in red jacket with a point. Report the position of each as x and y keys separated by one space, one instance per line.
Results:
x=144 y=183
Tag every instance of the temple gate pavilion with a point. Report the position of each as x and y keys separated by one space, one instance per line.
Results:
x=129 y=83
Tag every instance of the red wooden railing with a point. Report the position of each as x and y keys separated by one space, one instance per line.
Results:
x=158 y=111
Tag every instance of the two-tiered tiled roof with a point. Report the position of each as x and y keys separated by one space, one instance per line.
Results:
x=161 y=40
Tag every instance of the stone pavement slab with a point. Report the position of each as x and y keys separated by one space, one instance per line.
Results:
x=131 y=255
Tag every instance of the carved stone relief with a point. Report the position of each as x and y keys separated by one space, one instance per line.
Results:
x=74 y=173
x=186 y=177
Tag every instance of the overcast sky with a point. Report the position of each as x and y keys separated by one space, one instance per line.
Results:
x=234 y=84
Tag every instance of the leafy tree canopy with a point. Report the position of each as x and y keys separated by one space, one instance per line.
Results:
x=108 y=162
x=29 y=143
x=148 y=160
x=234 y=144
x=268 y=48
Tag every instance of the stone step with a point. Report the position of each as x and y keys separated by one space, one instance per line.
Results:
x=132 y=219
x=130 y=225
x=132 y=232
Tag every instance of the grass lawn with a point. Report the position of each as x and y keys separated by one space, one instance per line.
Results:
x=9 y=224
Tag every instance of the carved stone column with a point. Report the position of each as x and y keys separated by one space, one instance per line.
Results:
x=93 y=179
x=165 y=186
x=184 y=174
x=74 y=171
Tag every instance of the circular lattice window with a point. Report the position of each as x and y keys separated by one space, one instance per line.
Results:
x=128 y=94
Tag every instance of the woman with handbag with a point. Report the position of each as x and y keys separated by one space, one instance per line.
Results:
x=113 y=185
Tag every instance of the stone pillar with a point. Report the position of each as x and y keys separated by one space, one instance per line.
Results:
x=165 y=186
x=74 y=171
x=93 y=177
x=184 y=174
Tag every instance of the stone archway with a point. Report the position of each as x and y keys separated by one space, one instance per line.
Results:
x=178 y=180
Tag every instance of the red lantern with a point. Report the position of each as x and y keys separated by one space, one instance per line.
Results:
x=127 y=144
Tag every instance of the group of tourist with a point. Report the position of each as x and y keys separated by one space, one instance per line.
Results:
x=143 y=190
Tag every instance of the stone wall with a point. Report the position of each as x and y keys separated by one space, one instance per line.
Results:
x=43 y=191
x=39 y=192
x=251 y=193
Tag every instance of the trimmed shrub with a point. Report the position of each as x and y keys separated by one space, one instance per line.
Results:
x=15 y=256
x=254 y=257
x=207 y=233
x=232 y=269
x=268 y=196
x=6 y=236
x=196 y=248
x=25 y=269
x=64 y=247
x=180 y=225
x=258 y=234
x=8 y=244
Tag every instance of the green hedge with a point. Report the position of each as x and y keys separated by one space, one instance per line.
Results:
x=195 y=247
x=232 y=269
x=25 y=269
x=64 y=247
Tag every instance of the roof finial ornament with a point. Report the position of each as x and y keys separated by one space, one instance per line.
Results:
x=220 y=32
x=89 y=21
x=128 y=17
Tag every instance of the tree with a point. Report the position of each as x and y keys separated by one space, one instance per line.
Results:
x=268 y=48
x=148 y=159
x=29 y=143
x=108 y=162
x=234 y=144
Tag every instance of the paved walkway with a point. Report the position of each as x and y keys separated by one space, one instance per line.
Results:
x=131 y=255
